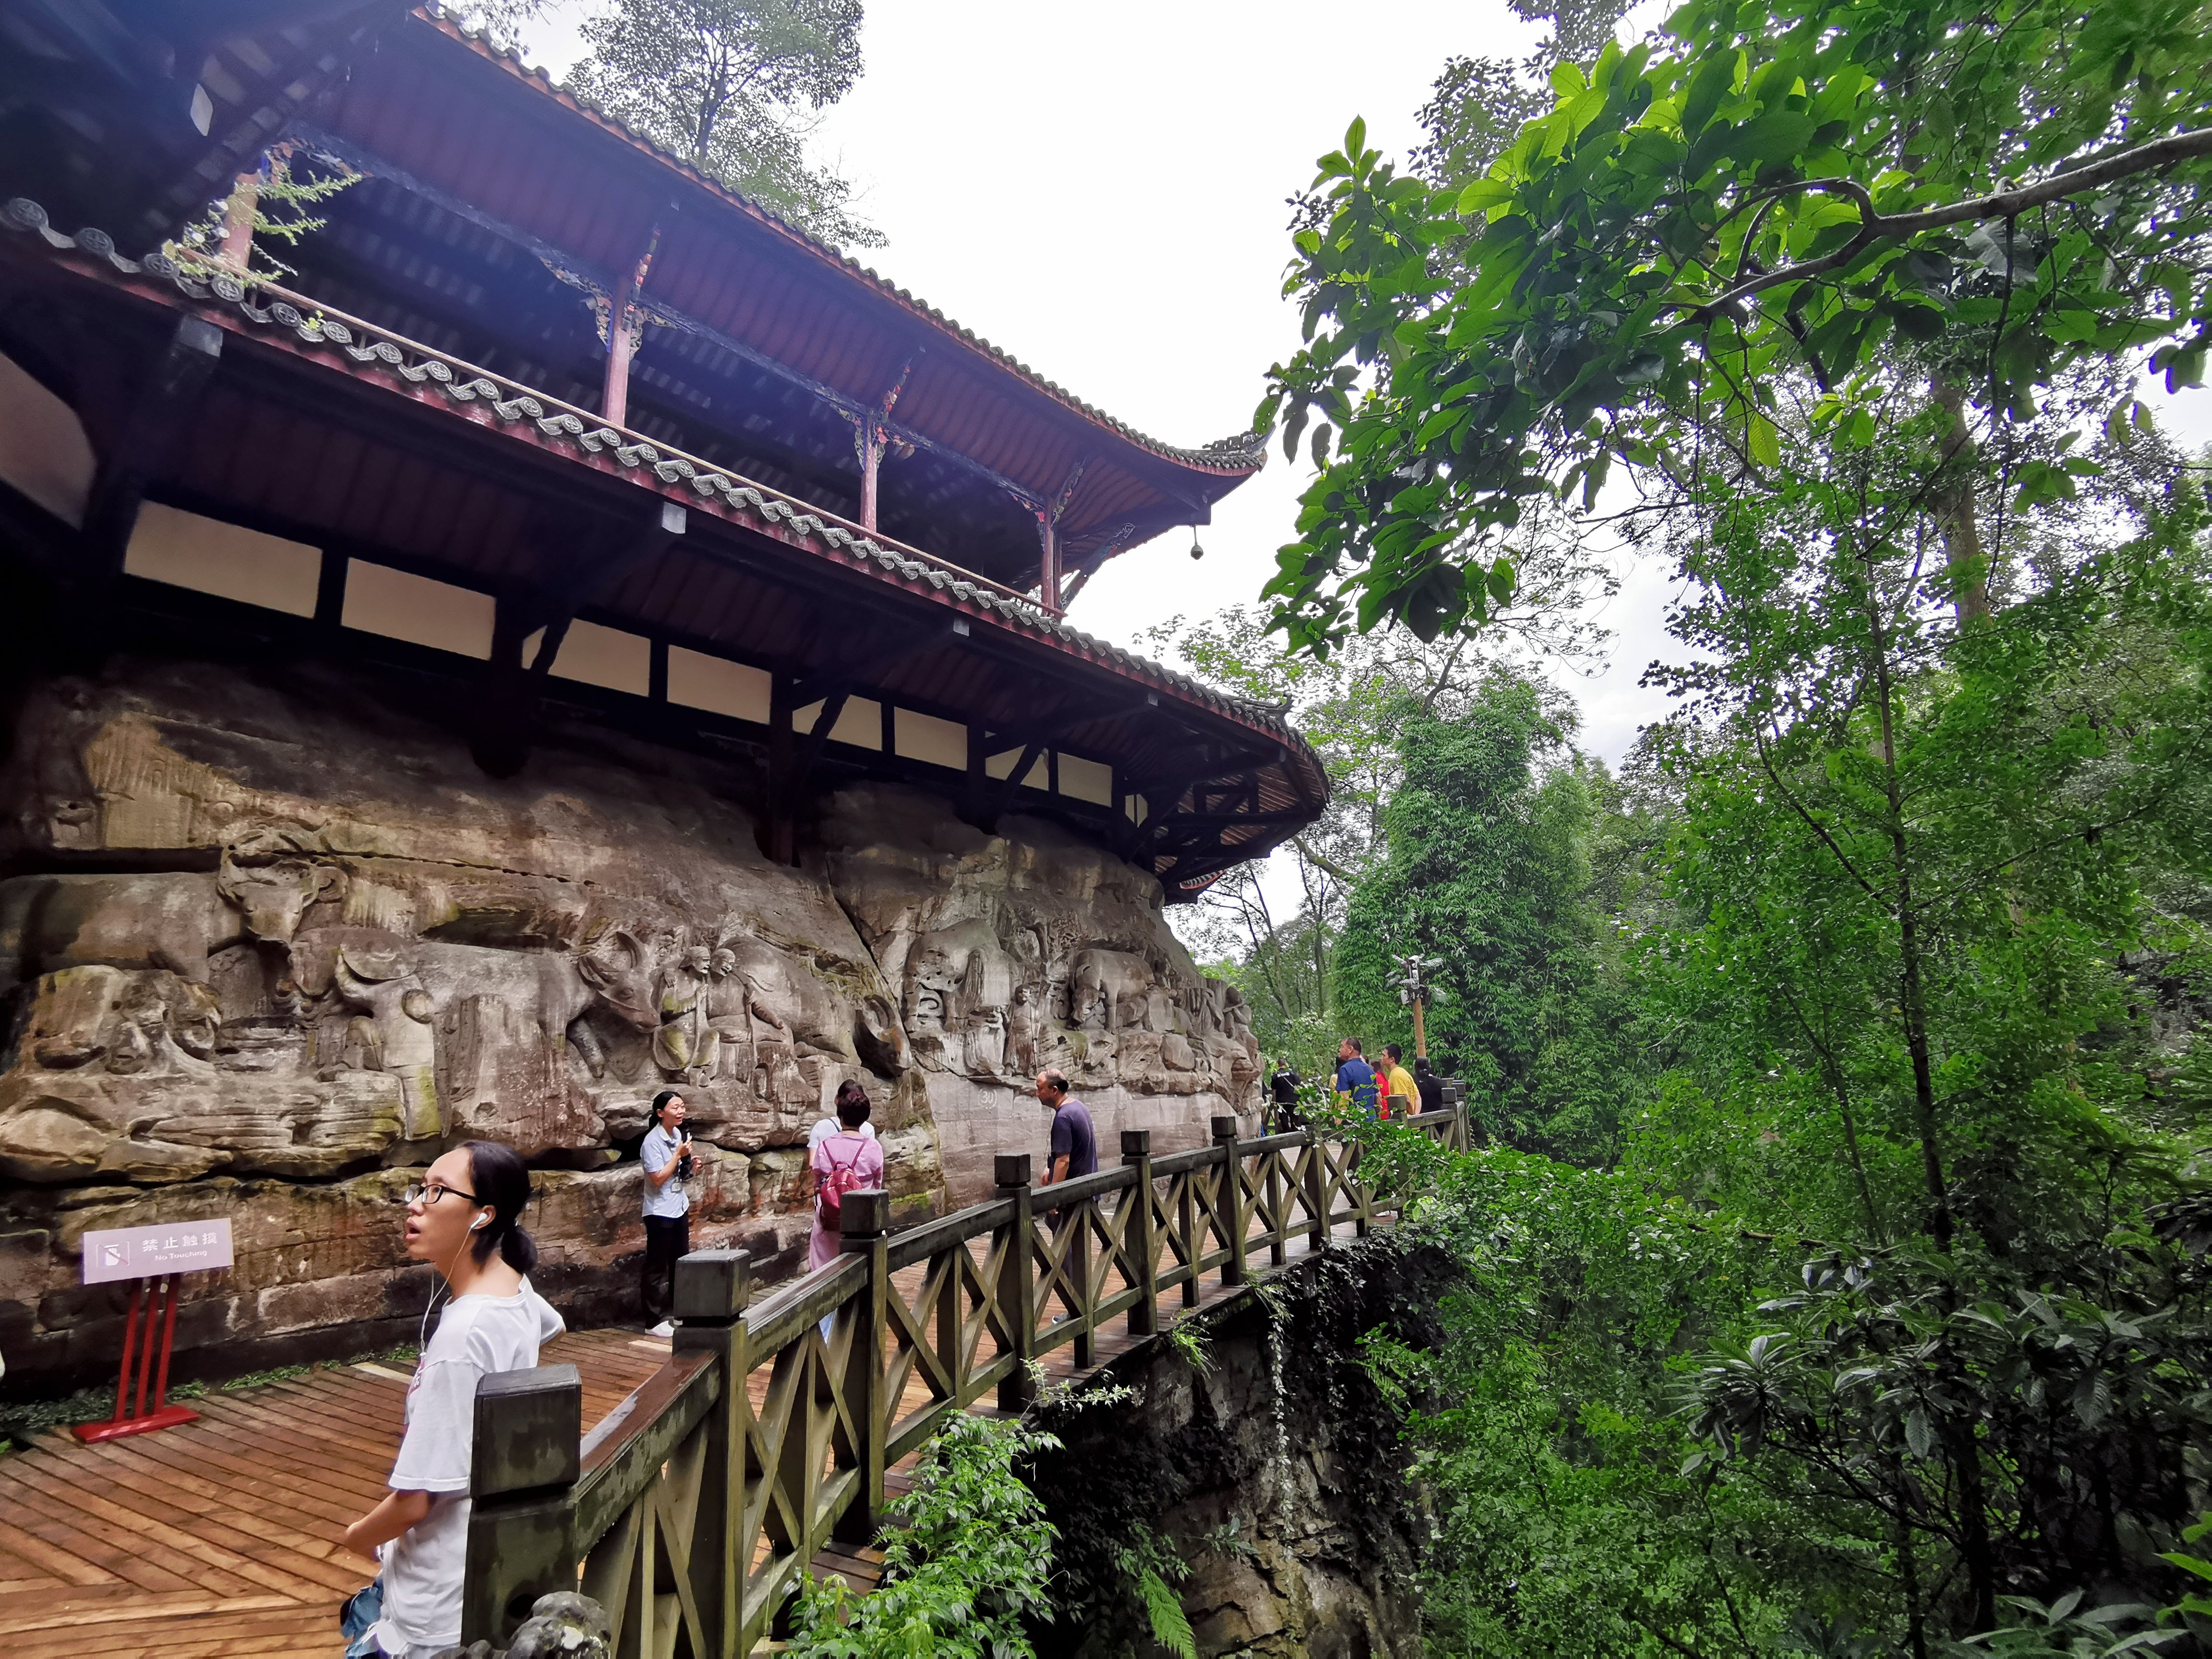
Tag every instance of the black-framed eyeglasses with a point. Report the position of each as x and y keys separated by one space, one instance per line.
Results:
x=430 y=1194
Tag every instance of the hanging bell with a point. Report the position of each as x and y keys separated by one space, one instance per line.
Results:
x=1196 y=551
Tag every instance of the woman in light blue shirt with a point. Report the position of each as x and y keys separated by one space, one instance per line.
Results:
x=666 y=1156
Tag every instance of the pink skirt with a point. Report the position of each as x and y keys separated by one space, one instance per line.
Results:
x=821 y=1245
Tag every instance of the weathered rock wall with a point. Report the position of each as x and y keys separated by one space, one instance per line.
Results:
x=1011 y=953
x=270 y=934
x=1273 y=1466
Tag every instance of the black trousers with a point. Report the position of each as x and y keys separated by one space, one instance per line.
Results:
x=666 y=1238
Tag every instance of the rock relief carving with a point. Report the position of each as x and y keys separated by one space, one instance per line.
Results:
x=1012 y=955
x=397 y=963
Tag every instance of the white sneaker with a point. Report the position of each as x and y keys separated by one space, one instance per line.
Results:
x=666 y=1327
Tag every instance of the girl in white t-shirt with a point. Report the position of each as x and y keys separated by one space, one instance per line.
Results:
x=464 y=1219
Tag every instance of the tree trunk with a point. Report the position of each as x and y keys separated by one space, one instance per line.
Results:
x=1911 y=997
x=1978 y=1558
x=1952 y=504
x=1908 y=1567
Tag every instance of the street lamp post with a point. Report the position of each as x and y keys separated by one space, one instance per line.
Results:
x=1413 y=991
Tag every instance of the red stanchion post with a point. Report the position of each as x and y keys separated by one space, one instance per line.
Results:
x=168 y=1339
x=153 y=1294
x=144 y=1415
x=130 y=1341
x=160 y=1255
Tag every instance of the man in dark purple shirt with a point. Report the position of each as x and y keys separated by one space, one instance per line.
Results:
x=1074 y=1146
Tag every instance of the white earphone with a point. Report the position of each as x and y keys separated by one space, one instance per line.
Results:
x=478 y=1221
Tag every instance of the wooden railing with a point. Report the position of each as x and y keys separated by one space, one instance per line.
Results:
x=690 y=1511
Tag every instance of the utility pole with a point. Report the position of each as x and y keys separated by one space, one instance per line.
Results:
x=1414 y=992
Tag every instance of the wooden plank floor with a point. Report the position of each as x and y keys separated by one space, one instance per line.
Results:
x=221 y=1536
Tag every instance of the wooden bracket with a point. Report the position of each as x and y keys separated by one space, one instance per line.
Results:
x=556 y=608
x=141 y=449
x=506 y=711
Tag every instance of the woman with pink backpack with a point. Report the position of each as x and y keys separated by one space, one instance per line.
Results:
x=844 y=1163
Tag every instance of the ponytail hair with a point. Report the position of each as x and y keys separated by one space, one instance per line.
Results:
x=501 y=1182
x=660 y=1104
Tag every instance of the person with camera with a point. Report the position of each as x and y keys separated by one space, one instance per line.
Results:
x=666 y=1155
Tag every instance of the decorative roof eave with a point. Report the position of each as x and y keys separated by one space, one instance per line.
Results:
x=337 y=343
x=1238 y=456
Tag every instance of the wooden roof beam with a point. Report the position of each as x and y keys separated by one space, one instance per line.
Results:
x=583 y=275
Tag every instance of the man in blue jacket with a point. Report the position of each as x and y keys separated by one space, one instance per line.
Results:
x=1355 y=1077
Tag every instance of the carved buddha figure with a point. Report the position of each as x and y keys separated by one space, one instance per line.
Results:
x=684 y=1044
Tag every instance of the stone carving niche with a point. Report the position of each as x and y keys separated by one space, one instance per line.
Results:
x=274 y=936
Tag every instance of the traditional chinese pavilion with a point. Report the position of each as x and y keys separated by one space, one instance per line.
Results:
x=578 y=635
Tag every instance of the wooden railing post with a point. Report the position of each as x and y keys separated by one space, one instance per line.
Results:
x=1074 y=1221
x=523 y=1464
x=1138 y=1238
x=712 y=1289
x=1278 y=1210
x=1230 y=1195
x=1317 y=1190
x=862 y=1218
x=1017 y=1288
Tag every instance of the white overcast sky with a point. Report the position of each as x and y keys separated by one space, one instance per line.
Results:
x=1100 y=192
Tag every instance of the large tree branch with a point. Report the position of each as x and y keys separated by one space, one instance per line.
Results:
x=2001 y=205
x=1324 y=861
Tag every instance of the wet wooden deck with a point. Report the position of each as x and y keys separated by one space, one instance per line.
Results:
x=221 y=1536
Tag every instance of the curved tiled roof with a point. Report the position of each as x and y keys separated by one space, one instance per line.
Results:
x=1239 y=453
x=356 y=346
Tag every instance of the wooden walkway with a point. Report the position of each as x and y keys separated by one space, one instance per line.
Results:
x=221 y=1536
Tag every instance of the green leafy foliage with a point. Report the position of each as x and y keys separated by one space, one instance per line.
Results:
x=734 y=87
x=1489 y=868
x=1169 y=1626
x=1882 y=1329
x=1804 y=188
x=968 y=1557
x=272 y=207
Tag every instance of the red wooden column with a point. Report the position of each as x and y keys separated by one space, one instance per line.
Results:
x=1049 y=563
x=238 y=215
x=872 y=461
x=1048 y=536
x=871 y=437
x=624 y=324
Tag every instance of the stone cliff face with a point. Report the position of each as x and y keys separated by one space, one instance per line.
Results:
x=1008 y=954
x=277 y=936
x=1266 y=1460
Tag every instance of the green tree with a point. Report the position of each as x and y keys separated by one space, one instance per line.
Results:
x=1842 y=306
x=735 y=87
x=1349 y=704
x=1763 y=193
x=1489 y=836
x=1478 y=104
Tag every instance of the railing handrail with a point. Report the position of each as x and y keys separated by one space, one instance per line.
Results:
x=762 y=1489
